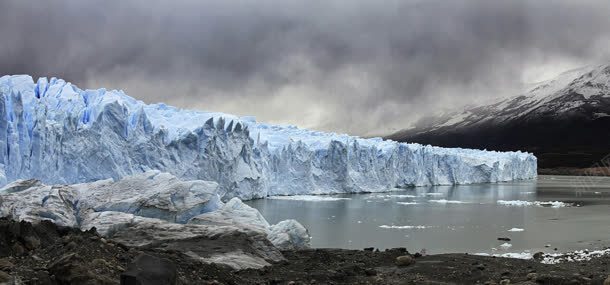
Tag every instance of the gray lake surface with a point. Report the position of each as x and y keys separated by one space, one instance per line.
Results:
x=463 y=218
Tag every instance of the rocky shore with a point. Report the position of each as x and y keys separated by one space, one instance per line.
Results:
x=44 y=253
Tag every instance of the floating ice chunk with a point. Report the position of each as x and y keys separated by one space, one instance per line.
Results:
x=309 y=198
x=444 y=201
x=403 y=227
x=403 y=196
x=516 y=230
x=521 y=203
x=506 y=246
x=517 y=255
x=407 y=203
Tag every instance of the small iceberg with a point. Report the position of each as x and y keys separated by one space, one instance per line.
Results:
x=308 y=198
x=444 y=201
x=403 y=227
x=521 y=203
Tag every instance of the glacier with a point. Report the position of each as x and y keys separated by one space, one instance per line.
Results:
x=54 y=132
x=155 y=208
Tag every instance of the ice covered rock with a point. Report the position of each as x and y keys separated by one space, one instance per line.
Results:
x=151 y=194
x=151 y=210
x=53 y=131
x=237 y=247
x=31 y=201
x=106 y=223
x=288 y=234
x=234 y=212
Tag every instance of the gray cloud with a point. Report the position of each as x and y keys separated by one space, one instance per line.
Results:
x=353 y=66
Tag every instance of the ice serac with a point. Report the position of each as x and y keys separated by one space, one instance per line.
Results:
x=53 y=131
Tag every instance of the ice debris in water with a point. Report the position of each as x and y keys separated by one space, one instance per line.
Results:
x=554 y=258
x=444 y=201
x=516 y=230
x=310 y=198
x=520 y=203
x=403 y=227
x=407 y=203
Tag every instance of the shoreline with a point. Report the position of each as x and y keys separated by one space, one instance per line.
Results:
x=573 y=171
x=47 y=254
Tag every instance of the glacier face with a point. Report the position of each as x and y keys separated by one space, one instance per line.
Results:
x=53 y=131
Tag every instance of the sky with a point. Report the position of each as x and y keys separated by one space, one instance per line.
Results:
x=353 y=66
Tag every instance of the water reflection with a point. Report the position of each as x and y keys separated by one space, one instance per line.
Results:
x=463 y=218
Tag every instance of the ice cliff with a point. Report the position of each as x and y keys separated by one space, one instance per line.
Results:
x=52 y=131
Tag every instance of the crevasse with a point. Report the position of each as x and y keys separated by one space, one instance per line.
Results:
x=55 y=132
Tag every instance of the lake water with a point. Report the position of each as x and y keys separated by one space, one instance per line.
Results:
x=464 y=218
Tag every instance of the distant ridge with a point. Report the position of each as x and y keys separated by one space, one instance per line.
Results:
x=565 y=122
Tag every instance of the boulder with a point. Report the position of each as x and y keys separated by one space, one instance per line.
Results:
x=149 y=270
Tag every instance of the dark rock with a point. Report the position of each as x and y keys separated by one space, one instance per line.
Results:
x=71 y=245
x=397 y=249
x=4 y=277
x=68 y=268
x=532 y=276
x=538 y=255
x=480 y=267
x=369 y=248
x=504 y=239
x=17 y=249
x=417 y=255
x=549 y=279
x=31 y=242
x=71 y=269
x=149 y=270
x=404 y=260
x=6 y=265
x=370 y=272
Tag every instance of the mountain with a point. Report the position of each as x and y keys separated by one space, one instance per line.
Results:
x=563 y=121
x=53 y=131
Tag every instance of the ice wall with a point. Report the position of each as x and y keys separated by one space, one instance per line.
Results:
x=55 y=132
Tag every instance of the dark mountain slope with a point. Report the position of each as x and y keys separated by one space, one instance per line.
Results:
x=565 y=122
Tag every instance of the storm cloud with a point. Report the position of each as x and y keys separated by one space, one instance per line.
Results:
x=356 y=66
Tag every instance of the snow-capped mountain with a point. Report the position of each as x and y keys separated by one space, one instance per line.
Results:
x=53 y=131
x=564 y=121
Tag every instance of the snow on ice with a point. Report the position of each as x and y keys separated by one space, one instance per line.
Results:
x=54 y=132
